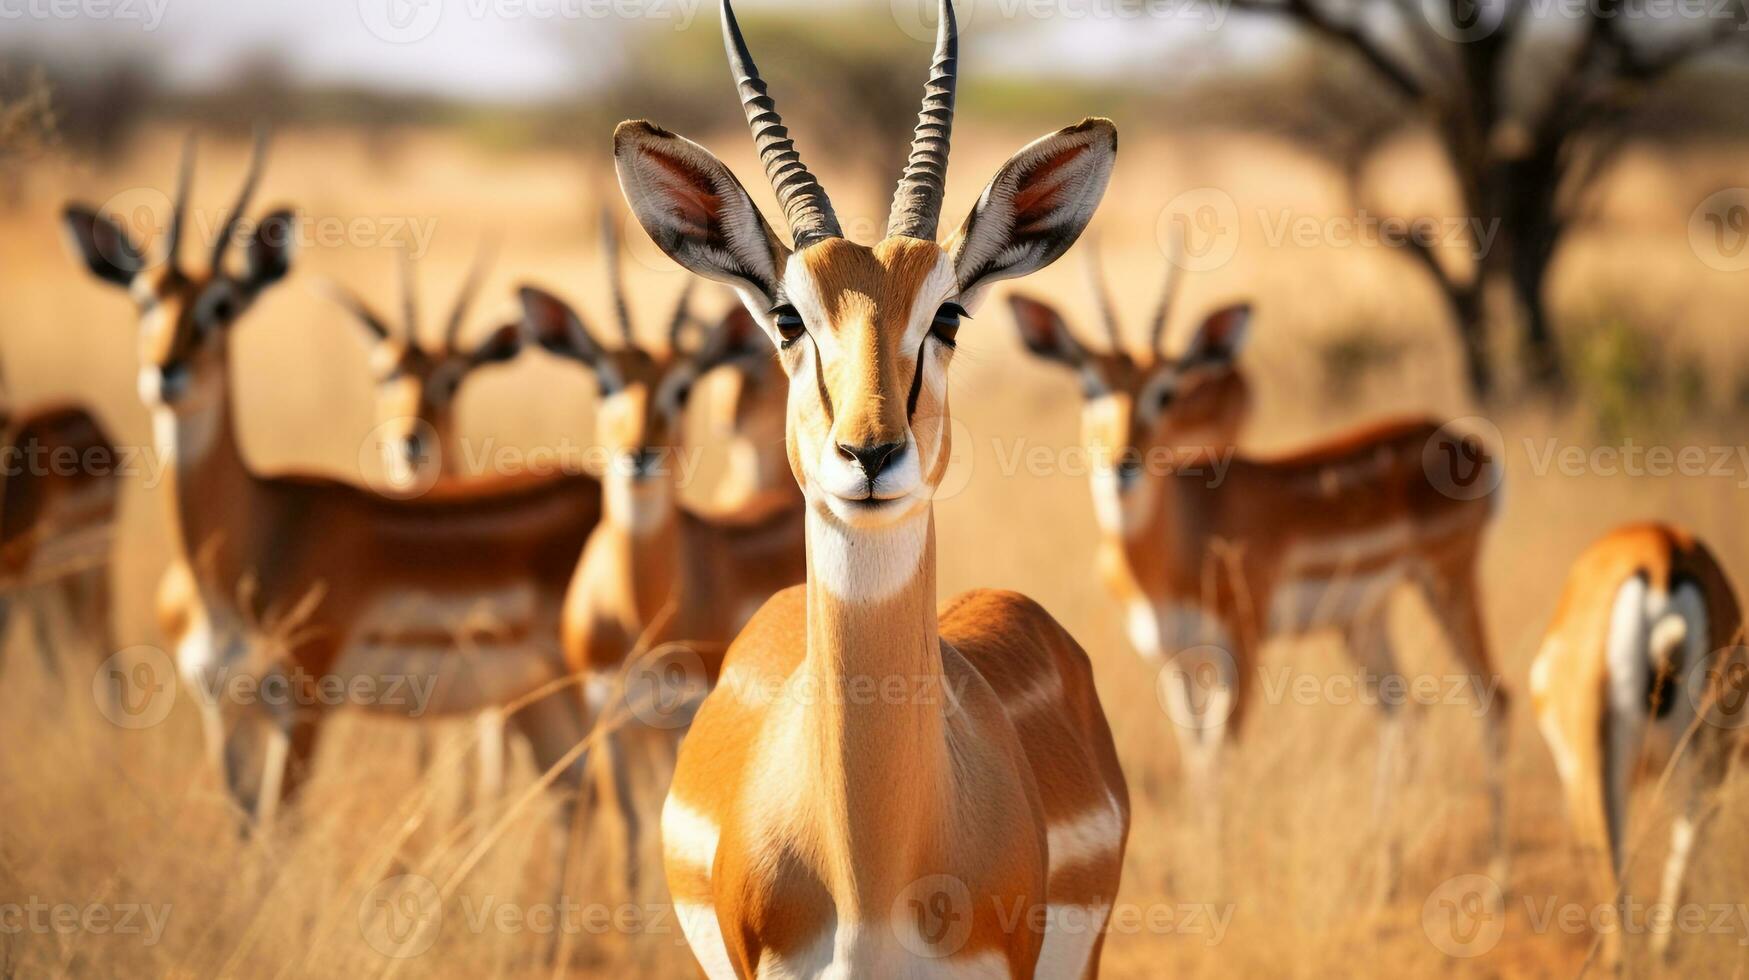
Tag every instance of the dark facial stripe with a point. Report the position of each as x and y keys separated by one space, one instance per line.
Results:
x=820 y=382
x=916 y=380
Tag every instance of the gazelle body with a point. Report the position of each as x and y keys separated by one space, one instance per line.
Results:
x=1644 y=651
x=874 y=785
x=302 y=579
x=1212 y=552
x=658 y=579
x=58 y=492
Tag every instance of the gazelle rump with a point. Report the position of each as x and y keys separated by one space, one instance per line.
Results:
x=658 y=578
x=301 y=578
x=875 y=786
x=58 y=491
x=1645 y=641
x=1213 y=552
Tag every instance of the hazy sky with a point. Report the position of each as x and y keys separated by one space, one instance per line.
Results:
x=507 y=49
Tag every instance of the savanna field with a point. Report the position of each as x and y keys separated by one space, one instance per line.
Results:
x=98 y=814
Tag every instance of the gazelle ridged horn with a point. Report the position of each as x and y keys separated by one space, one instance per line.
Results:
x=470 y=288
x=804 y=201
x=917 y=202
x=409 y=299
x=616 y=286
x=1102 y=296
x=179 y=207
x=1168 y=292
x=682 y=315
x=257 y=156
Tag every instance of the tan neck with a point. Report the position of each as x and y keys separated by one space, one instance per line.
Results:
x=874 y=719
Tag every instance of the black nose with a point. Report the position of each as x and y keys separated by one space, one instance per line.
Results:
x=172 y=382
x=872 y=459
x=415 y=449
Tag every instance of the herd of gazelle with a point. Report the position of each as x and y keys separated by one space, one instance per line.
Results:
x=803 y=819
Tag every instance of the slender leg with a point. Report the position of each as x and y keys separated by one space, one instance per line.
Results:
x=1369 y=642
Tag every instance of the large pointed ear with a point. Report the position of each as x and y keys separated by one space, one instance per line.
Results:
x=502 y=344
x=1044 y=331
x=104 y=246
x=555 y=326
x=696 y=211
x=1037 y=205
x=270 y=249
x=1220 y=338
x=737 y=338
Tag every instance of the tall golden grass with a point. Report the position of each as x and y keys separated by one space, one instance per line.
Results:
x=95 y=815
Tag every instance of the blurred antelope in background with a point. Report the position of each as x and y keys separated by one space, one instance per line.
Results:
x=59 y=481
x=813 y=829
x=1212 y=553
x=418 y=433
x=418 y=389
x=660 y=579
x=1642 y=668
x=300 y=578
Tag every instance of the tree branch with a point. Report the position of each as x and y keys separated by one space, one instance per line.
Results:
x=1320 y=22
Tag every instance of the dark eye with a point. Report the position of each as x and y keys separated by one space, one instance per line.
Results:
x=1163 y=400
x=789 y=324
x=682 y=393
x=946 y=327
x=218 y=308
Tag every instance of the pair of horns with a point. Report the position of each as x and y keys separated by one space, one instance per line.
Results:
x=452 y=327
x=1108 y=307
x=185 y=182
x=622 y=311
x=916 y=207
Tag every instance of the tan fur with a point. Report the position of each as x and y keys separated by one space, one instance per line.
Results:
x=831 y=806
x=1571 y=672
x=57 y=512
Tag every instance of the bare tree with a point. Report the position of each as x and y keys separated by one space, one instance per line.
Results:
x=1522 y=161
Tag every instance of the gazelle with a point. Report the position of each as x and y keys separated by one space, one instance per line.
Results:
x=418 y=389
x=58 y=488
x=362 y=587
x=657 y=575
x=873 y=785
x=1211 y=562
x=1646 y=641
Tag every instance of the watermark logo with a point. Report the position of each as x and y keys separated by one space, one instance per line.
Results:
x=1198 y=687
x=1462 y=21
x=932 y=916
x=135 y=688
x=1458 y=461
x=664 y=688
x=410 y=455
x=1718 y=230
x=401 y=21
x=1720 y=692
x=1199 y=229
x=1465 y=916
x=402 y=916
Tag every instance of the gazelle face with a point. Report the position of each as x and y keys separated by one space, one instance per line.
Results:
x=185 y=318
x=866 y=336
x=1140 y=415
x=417 y=392
x=640 y=422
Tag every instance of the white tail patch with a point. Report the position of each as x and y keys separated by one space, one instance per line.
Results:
x=688 y=836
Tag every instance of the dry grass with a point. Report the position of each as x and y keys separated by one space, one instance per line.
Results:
x=100 y=816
